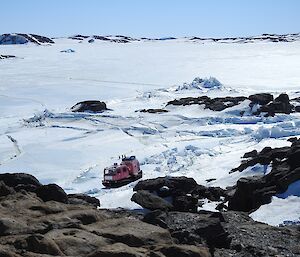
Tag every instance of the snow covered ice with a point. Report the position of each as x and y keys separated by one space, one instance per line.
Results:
x=40 y=135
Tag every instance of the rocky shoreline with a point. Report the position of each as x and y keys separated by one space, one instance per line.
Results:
x=42 y=220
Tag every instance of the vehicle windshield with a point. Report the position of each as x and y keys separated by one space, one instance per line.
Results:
x=110 y=171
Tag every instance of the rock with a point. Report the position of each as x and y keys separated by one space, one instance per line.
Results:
x=5 y=190
x=11 y=226
x=281 y=104
x=89 y=106
x=154 y=110
x=250 y=238
x=21 y=38
x=130 y=231
x=52 y=192
x=16 y=179
x=297 y=108
x=83 y=199
x=251 y=154
x=294 y=158
x=185 y=203
x=214 y=104
x=77 y=242
x=211 y=193
x=7 y=252
x=182 y=192
x=183 y=251
x=193 y=228
x=251 y=192
x=119 y=250
x=249 y=195
x=88 y=217
x=40 y=244
x=175 y=185
x=30 y=227
x=150 y=201
x=261 y=99
x=7 y=56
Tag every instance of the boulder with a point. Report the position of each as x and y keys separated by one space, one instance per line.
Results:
x=185 y=203
x=16 y=179
x=294 y=159
x=193 y=228
x=89 y=106
x=251 y=154
x=261 y=99
x=150 y=201
x=52 y=192
x=5 y=190
x=183 y=251
x=250 y=238
x=281 y=104
x=6 y=56
x=22 y=38
x=211 y=193
x=167 y=185
x=83 y=199
x=214 y=104
x=252 y=192
x=154 y=110
x=41 y=244
x=119 y=250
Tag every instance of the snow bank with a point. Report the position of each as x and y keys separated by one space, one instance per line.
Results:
x=200 y=84
x=274 y=132
x=279 y=211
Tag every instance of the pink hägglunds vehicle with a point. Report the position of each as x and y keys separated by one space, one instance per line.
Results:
x=121 y=174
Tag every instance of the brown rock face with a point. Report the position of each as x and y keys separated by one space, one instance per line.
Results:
x=46 y=223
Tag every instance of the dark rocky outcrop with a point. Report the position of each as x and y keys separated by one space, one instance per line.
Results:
x=252 y=192
x=250 y=238
x=52 y=192
x=32 y=227
x=17 y=179
x=21 y=38
x=89 y=106
x=228 y=233
x=151 y=201
x=193 y=228
x=174 y=193
x=266 y=102
x=281 y=104
x=154 y=110
x=6 y=56
x=214 y=104
x=83 y=199
x=5 y=190
x=261 y=99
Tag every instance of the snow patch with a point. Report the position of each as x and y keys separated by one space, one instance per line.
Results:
x=279 y=211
